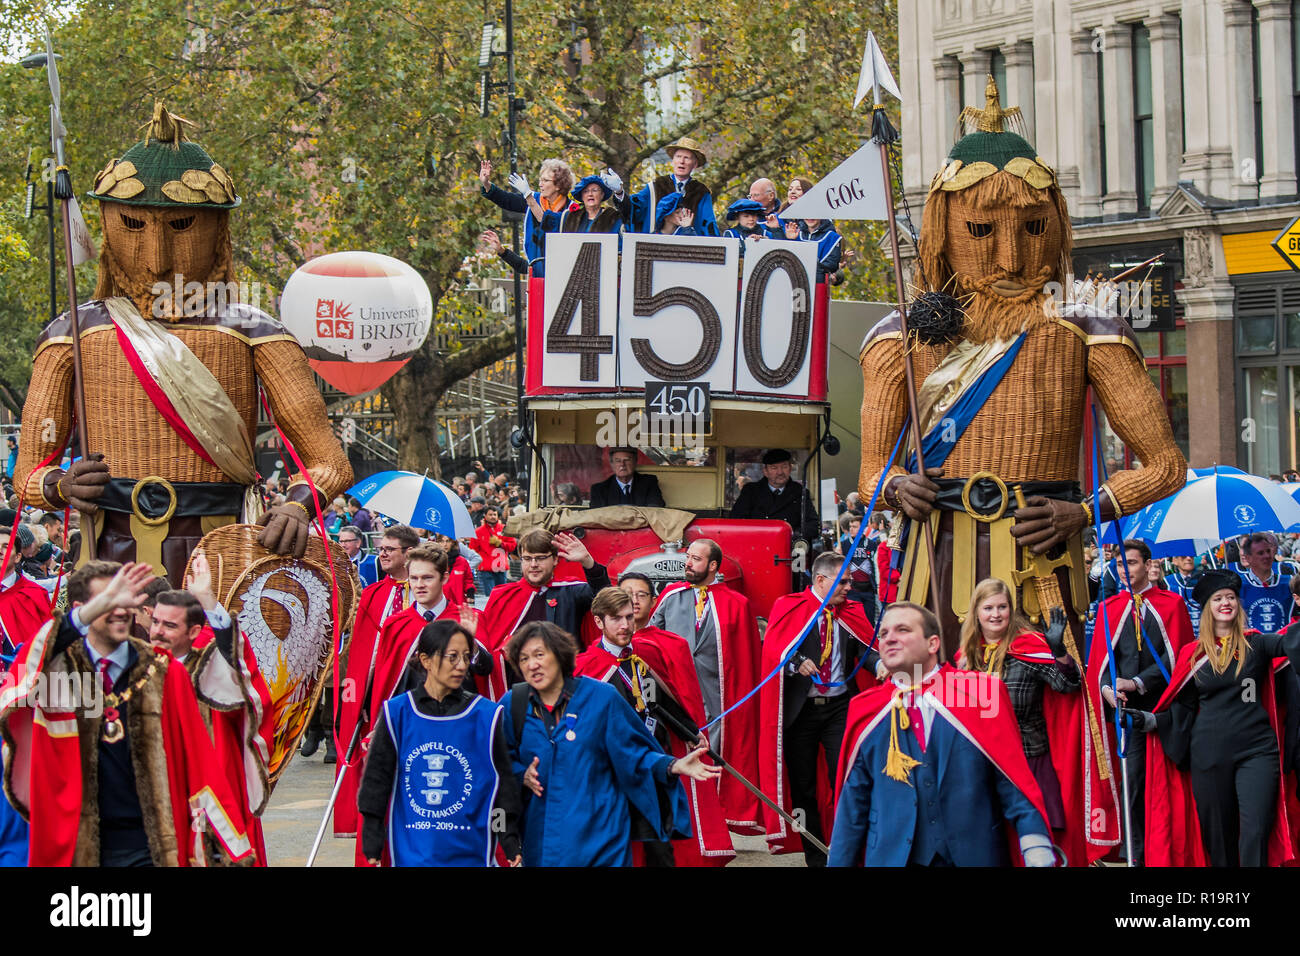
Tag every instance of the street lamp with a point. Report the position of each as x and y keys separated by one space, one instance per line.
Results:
x=487 y=51
x=37 y=62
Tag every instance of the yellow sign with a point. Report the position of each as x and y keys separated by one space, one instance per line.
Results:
x=1287 y=244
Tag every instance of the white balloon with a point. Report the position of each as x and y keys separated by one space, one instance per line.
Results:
x=357 y=307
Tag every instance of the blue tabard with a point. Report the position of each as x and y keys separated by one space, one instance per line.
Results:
x=440 y=812
x=1268 y=609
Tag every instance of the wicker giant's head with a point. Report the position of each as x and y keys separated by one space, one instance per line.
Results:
x=165 y=207
x=996 y=230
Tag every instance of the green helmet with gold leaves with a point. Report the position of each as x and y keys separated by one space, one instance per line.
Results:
x=166 y=170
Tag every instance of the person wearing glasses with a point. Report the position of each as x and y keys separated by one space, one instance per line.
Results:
x=538 y=596
x=439 y=772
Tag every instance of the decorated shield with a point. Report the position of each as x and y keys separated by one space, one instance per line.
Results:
x=285 y=607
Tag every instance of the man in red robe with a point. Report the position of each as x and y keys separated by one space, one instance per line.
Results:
x=388 y=596
x=803 y=713
x=657 y=679
x=1144 y=656
x=24 y=604
x=722 y=631
x=234 y=701
x=539 y=596
x=126 y=777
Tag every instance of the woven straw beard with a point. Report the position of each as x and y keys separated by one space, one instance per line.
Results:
x=147 y=248
x=995 y=245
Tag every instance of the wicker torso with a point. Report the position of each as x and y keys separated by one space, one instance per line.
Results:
x=239 y=347
x=1030 y=427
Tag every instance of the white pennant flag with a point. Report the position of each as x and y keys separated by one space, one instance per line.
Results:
x=855 y=189
x=875 y=73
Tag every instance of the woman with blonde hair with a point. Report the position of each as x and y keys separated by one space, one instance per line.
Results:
x=1218 y=731
x=996 y=638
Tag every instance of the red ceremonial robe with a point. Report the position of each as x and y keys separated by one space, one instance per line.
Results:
x=1173 y=831
x=502 y=616
x=739 y=650
x=238 y=706
x=374 y=607
x=24 y=607
x=963 y=699
x=790 y=615
x=459 y=578
x=1091 y=814
x=45 y=768
x=669 y=659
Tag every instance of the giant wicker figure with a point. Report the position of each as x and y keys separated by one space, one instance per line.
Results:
x=1004 y=373
x=171 y=374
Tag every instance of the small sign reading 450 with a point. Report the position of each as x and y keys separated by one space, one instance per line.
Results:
x=687 y=402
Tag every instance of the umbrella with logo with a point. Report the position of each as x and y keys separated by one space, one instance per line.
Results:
x=1214 y=508
x=418 y=501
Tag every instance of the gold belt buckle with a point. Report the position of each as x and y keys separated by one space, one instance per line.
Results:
x=135 y=500
x=965 y=497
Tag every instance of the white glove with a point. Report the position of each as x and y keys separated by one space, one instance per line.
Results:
x=613 y=182
x=519 y=183
x=1039 y=856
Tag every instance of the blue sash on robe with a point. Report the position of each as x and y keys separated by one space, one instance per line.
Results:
x=941 y=439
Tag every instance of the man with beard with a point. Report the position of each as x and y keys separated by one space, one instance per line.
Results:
x=1003 y=372
x=721 y=628
x=172 y=375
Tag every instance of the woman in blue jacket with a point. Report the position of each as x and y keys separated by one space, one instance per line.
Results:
x=582 y=755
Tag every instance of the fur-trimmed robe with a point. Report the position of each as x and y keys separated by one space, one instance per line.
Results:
x=190 y=816
x=235 y=705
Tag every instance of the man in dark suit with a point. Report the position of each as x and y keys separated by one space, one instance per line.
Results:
x=625 y=486
x=778 y=497
x=933 y=768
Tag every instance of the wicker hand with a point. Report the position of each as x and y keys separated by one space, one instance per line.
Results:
x=914 y=494
x=80 y=487
x=1046 y=522
x=286 y=528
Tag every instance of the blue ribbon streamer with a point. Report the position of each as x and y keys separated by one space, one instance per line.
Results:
x=807 y=629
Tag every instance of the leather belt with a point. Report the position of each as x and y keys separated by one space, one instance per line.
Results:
x=156 y=500
x=986 y=497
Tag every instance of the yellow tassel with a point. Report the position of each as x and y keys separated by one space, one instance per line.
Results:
x=898 y=765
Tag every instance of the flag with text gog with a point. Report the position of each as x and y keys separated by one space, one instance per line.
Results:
x=855 y=189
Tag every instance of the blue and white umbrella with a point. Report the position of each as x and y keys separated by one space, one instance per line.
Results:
x=417 y=500
x=1219 y=506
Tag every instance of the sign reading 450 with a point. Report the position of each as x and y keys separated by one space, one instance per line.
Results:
x=676 y=316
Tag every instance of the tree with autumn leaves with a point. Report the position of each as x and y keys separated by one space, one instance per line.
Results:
x=354 y=124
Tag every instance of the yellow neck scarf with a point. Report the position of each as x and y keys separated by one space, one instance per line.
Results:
x=898 y=765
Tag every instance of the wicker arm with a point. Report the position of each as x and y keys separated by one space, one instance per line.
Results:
x=47 y=421
x=884 y=409
x=300 y=411
x=1138 y=417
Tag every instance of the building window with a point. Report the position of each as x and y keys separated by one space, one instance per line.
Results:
x=1295 y=73
x=961 y=86
x=998 y=67
x=1101 y=119
x=1267 y=319
x=1144 y=160
x=1257 y=92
